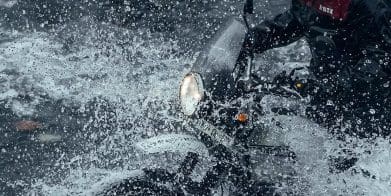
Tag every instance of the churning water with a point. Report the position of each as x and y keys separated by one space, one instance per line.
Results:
x=101 y=76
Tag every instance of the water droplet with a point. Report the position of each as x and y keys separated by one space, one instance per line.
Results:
x=372 y=111
x=330 y=103
x=386 y=85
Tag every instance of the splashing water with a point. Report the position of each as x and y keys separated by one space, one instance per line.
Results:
x=122 y=87
x=98 y=89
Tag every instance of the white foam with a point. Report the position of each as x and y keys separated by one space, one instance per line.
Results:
x=141 y=80
x=172 y=143
x=82 y=182
x=8 y=3
x=87 y=73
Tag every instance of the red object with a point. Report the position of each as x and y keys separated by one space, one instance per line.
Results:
x=27 y=125
x=242 y=118
x=337 y=9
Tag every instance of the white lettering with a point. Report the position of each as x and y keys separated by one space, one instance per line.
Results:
x=326 y=9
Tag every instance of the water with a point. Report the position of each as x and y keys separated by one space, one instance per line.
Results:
x=101 y=77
